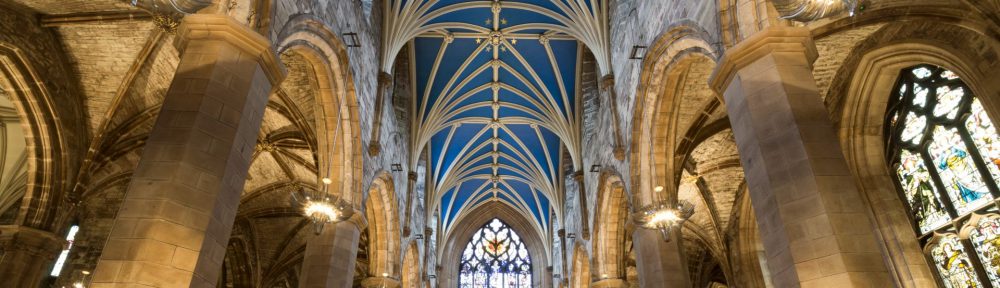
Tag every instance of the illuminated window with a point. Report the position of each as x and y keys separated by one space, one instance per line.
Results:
x=945 y=153
x=65 y=252
x=495 y=257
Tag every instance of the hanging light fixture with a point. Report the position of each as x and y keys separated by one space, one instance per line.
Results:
x=663 y=215
x=317 y=205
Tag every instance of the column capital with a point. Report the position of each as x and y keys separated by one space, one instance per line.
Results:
x=771 y=40
x=34 y=242
x=608 y=81
x=215 y=27
x=412 y=176
x=578 y=176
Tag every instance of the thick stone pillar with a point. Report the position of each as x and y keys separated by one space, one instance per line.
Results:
x=811 y=215
x=177 y=216
x=379 y=282
x=26 y=255
x=330 y=257
x=609 y=283
x=660 y=263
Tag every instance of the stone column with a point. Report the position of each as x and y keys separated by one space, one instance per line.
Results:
x=331 y=256
x=607 y=90
x=582 y=199
x=177 y=216
x=410 y=187
x=379 y=282
x=26 y=255
x=609 y=283
x=810 y=213
x=660 y=263
x=384 y=90
x=562 y=253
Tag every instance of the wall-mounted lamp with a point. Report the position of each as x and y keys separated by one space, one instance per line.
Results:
x=571 y=236
x=595 y=168
x=419 y=237
x=351 y=39
x=396 y=167
x=638 y=52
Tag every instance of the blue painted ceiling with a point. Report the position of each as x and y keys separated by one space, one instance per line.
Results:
x=498 y=109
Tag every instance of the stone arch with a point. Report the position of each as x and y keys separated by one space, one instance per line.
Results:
x=45 y=139
x=410 y=277
x=610 y=229
x=337 y=101
x=581 y=268
x=383 y=227
x=866 y=85
x=462 y=231
x=655 y=130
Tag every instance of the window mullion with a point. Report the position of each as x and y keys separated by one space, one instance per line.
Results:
x=970 y=250
x=942 y=191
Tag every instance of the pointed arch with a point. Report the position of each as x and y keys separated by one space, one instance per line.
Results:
x=659 y=107
x=860 y=97
x=412 y=268
x=610 y=228
x=462 y=231
x=336 y=101
x=581 y=268
x=46 y=153
x=383 y=227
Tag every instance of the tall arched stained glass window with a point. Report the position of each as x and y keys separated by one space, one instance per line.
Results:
x=495 y=257
x=945 y=153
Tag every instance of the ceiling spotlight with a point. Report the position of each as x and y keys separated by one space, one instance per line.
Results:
x=658 y=189
x=595 y=168
x=396 y=167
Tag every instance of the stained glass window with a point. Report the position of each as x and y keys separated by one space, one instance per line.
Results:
x=986 y=238
x=495 y=258
x=953 y=263
x=945 y=152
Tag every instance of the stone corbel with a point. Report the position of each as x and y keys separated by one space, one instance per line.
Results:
x=384 y=90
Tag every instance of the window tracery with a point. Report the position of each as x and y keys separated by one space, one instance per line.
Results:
x=945 y=153
x=495 y=257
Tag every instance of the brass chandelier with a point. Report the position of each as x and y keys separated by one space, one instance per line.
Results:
x=663 y=215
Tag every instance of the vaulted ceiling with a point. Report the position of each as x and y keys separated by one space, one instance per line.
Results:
x=496 y=100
